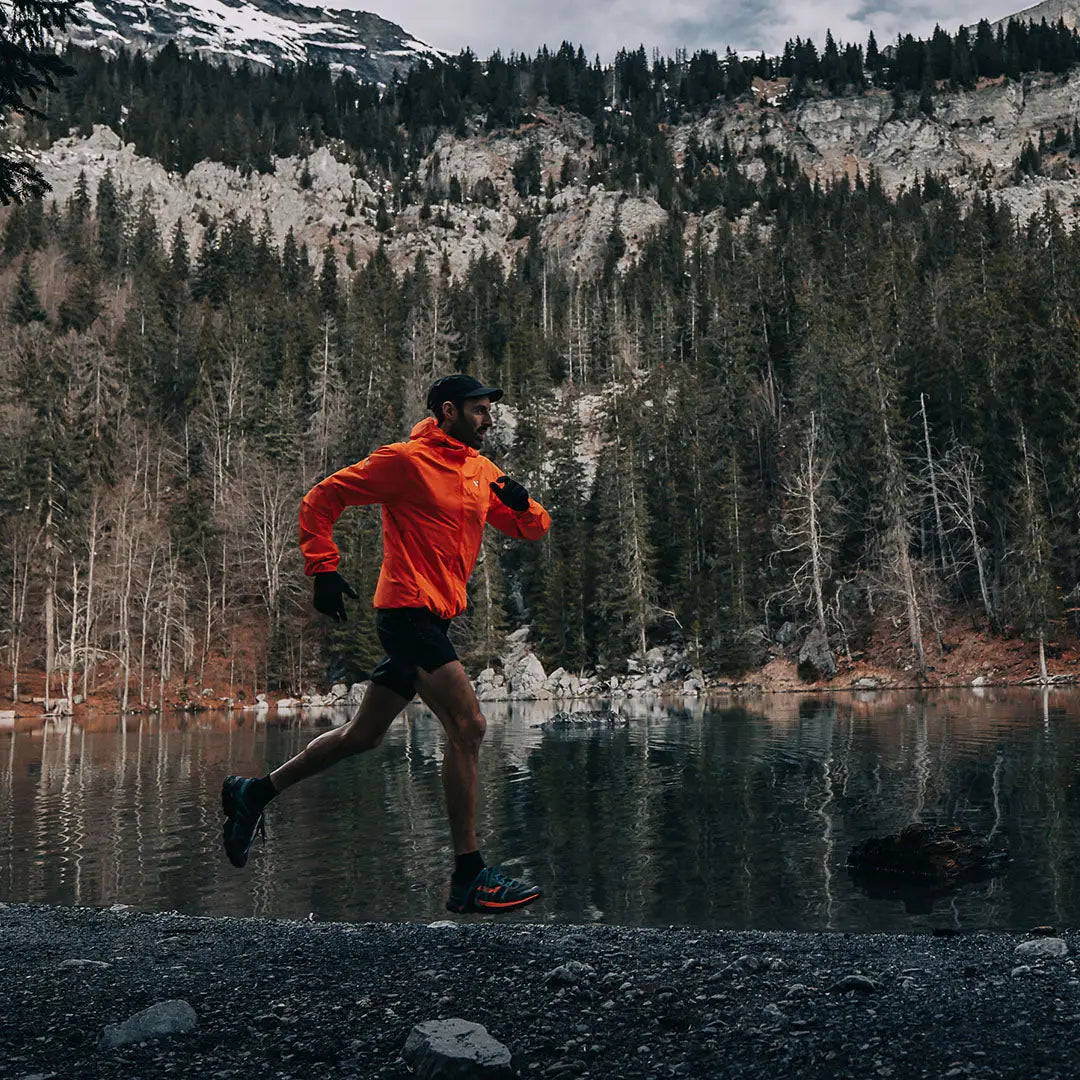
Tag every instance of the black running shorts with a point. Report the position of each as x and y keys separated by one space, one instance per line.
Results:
x=413 y=638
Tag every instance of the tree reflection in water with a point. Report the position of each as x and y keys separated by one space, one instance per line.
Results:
x=726 y=814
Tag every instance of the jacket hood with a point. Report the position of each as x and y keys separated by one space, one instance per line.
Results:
x=428 y=431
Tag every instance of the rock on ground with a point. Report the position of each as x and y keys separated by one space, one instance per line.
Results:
x=816 y=660
x=456 y=1049
x=300 y=999
x=161 y=1019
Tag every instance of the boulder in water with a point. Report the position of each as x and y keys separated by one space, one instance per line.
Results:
x=938 y=854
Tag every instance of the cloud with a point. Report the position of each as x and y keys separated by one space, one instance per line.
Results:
x=604 y=26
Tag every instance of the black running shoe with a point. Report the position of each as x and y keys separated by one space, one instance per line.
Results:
x=241 y=820
x=490 y=890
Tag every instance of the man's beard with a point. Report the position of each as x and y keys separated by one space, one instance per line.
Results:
x=465 y=433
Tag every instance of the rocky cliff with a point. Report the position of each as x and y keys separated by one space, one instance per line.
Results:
x=973 y=139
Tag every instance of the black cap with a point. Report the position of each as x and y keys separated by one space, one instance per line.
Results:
x=457 y=388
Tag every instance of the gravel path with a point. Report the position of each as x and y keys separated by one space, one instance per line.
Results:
x=298 y=999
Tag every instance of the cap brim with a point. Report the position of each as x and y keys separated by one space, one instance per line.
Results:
x=493 y=392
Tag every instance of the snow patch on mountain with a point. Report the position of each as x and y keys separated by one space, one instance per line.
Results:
x=265 y=33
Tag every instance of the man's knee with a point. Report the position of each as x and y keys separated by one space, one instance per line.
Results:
x=359 y=738
x=467 y=727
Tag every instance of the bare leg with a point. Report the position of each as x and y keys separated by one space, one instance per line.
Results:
x=450 y=696
x=363 y=732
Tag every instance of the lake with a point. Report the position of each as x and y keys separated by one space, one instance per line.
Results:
x=725 y=814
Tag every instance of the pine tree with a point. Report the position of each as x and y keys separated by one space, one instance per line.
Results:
x=328 y=281
x=622 y=573
x=30 y=66
x=383 y=221
x=75 y=236
x=290 y=264
x=561 y=607
x=486 y=622
x=146 y=240
x=179 y=258
x=526 y=172
x=25 y=304
x=81 y=307
x=110 y=222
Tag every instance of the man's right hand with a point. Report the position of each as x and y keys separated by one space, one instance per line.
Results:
x=330 y=587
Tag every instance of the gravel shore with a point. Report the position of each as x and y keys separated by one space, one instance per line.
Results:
x=299 y=999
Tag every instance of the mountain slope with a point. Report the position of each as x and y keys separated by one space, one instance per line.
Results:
x=1068 y=11
x=262 y=32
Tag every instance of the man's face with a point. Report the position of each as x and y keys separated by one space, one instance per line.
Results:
x=468 y=423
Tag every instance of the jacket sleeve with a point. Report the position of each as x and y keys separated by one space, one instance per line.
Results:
x=377 y=479
x=530 y=524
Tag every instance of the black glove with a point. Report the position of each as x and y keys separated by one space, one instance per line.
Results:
x=511 y=493
x=330 y=586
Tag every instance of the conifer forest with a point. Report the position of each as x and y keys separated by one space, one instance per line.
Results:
x=853 y=409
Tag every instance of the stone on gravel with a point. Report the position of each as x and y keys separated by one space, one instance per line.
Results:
x=854 y=982
x=455 y=1049
x=568 y=974
x=867 y=682
x=1040 y=947
x=163 y=1018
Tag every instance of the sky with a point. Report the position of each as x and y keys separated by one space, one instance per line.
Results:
x=604 y=26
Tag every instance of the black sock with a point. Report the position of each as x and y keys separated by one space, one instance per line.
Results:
x=466 y=867
x=260 y=791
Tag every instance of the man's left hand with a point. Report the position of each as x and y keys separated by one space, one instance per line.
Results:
x=511 y=493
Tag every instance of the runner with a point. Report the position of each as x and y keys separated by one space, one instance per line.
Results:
x=437 y=491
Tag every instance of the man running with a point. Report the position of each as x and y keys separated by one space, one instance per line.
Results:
x=437 y=492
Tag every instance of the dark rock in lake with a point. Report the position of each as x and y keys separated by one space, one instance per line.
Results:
x=602 y=718
x=931 y=853
x=923 y=863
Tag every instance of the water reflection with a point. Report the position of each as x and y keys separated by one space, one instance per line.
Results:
x=727 y=815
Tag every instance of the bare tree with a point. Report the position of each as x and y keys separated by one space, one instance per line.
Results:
x=960 y=474
x=24 y=542
x=265 y=516
x=933 y=484
x=88 y=621
x=807 y=533
x=1028 y=559
x=326 y=401
x=895 y=561
x=222 y=410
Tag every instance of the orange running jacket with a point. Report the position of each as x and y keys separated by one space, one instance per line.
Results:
x=435 y=501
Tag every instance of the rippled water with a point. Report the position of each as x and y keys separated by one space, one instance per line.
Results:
x=736 y=815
